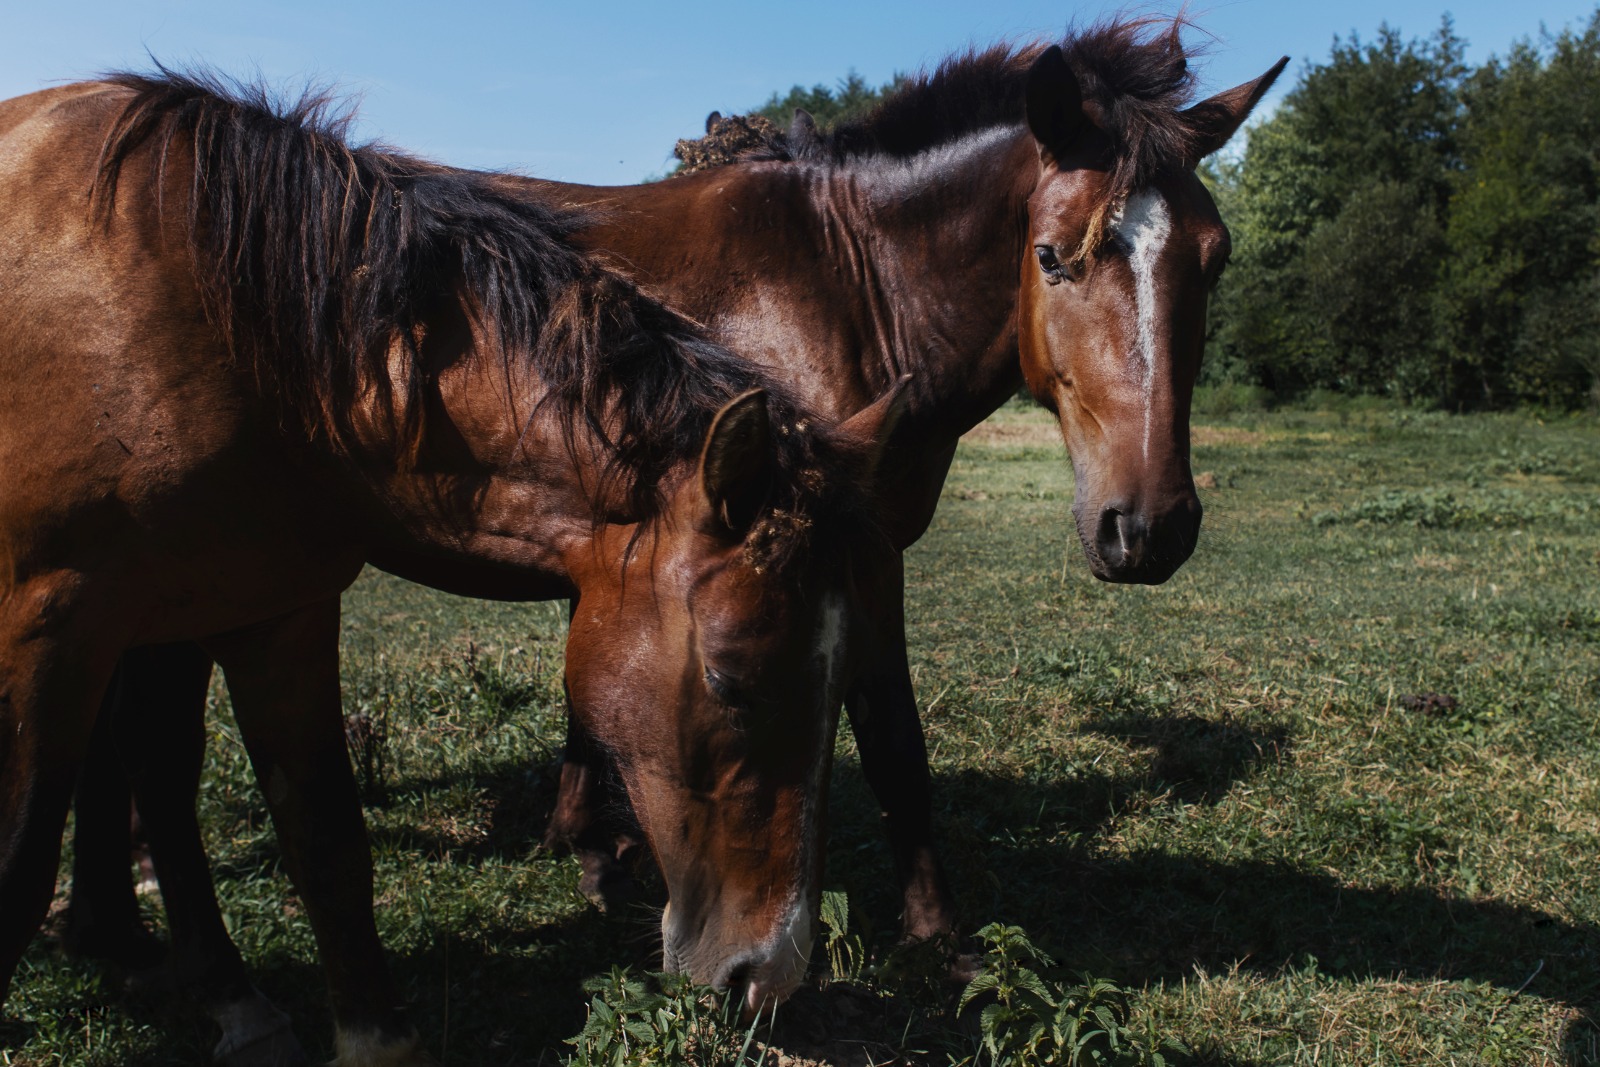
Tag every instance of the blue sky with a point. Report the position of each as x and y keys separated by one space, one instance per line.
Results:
x=598 y=92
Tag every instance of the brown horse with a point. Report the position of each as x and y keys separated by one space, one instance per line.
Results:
x=1027 y=215
x=241 y=357
x=1021 y=215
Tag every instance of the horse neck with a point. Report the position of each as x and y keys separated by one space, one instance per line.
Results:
x=486 y=500
x=936 y=242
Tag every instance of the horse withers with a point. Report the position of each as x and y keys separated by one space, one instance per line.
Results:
x=241 y=358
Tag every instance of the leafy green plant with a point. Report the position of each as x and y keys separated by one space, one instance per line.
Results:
x=1035 y=1021
x=661 y=1019
x=847 y=952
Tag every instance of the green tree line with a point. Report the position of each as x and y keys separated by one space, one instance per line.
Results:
x=1404 y=224
x=1407 y=225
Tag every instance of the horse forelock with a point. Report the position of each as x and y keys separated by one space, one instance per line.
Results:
x=317 y=261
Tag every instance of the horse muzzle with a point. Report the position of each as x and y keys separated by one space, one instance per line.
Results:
x=1129 y=545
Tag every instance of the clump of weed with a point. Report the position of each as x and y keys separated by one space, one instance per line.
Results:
x=1034 y=1019
x=366 y=735
x=661 y=1019
x=1444 y=510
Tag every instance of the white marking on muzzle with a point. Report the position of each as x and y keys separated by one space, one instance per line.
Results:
x=1143 y=222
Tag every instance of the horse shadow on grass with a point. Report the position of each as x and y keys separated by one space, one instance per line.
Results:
x=490 y=995
x=1030 y=852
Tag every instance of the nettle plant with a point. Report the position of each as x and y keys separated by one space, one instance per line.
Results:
x=1032 y=1019
x=662 y=1019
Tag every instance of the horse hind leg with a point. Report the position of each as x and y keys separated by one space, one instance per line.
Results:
x=52 y=679
x=160 y=737
x=103 y=916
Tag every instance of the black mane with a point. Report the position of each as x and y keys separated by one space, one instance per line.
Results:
x=315 y=258
x=1134 y=76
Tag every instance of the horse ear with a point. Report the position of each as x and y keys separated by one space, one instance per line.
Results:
x=802 y=128
x=712 y=120
x=1055 y=103
x=1216 y=120
x=870 y=430
x=736 y=462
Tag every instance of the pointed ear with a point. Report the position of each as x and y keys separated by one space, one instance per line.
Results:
x=1055 y=103
x=736 y=465
x=1216 y=120
x=869 y=431
x=802 y=128
x=712 y=120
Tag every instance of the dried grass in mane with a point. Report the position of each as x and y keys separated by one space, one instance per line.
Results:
x=315 y=258
x=1134 y=76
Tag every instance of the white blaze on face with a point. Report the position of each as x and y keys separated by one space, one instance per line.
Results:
x=791 y=952
x=1143 y=223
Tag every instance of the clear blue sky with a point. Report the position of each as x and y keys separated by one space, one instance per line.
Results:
x=598 y=91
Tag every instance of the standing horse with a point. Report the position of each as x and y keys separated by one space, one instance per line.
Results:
x=1022 y=215
x=253 y=357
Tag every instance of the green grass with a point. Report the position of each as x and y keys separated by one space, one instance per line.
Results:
x=1212 y=792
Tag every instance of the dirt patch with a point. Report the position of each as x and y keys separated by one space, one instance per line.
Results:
x=1225 y=435
x=1042 y=433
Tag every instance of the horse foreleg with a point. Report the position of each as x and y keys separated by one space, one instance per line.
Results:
x=284 y=680
x=581 y=824
x=160 y=738
x=894 y=759
x=51 y=682
x=103 y=917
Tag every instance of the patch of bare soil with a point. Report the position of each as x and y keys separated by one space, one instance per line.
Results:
x=1225 y=435
x=992 y=433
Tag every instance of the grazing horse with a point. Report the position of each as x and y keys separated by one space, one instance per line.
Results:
x=1025 y=215
x=1020 y=216
x=240 y=358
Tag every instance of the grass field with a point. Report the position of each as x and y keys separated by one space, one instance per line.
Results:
x=1228 y=794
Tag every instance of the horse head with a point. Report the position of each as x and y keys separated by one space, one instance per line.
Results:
x=712 y=667
x=1124 y=244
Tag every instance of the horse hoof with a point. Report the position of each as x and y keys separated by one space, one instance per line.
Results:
x=375 y=1050
x=279 y=1051
x=256 y=1034
x=607 y=884
x=964 y=967
x=129 y=946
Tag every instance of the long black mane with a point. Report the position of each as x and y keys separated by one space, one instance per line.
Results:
x=316 y=258
x=1134 y=76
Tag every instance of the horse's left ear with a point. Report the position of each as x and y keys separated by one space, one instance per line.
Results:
x=1216 y=120
x=736 y=463
x=1055 y=103
x=869 y=431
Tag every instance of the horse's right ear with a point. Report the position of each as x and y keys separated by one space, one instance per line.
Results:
x=1055 y=103
x=736 y=464
x=870 y=431
x=803 y=128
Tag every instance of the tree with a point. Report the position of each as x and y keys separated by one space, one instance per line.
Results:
x=1337 y=210
x=1518 y=308
x=852 y=99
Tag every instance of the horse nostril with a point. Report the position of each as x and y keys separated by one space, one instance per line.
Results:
x=735 y=978
x=1109 y=536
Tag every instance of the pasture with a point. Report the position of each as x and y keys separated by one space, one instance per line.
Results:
x=1243 y=794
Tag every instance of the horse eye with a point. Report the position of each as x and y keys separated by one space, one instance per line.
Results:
x=724 y=689
x=1055 y=272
